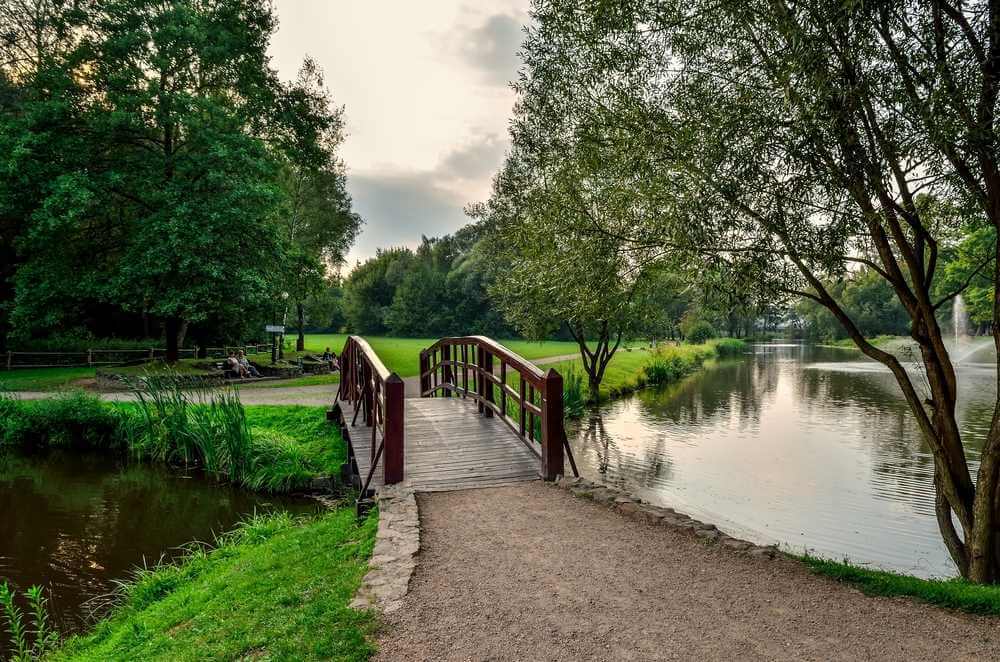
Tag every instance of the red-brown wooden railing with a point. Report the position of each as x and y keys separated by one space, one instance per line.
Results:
x=479 y=368
x=377 y=395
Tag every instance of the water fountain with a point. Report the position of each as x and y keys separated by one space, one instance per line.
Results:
x=965 y=345
x=960 y=328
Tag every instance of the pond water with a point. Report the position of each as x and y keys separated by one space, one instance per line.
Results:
x=809 y=447
x=75 y=523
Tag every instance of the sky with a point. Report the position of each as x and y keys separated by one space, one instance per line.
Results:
x=427 y=103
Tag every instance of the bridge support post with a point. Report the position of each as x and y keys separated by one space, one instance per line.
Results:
x=393 y=440
x=552 y=425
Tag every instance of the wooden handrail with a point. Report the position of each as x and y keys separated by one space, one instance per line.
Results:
x=377 y=395
x=464 y=367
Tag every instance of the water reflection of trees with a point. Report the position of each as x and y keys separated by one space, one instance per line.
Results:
x=75 y=523
x=597 y=452
x=865 y=403
x=733 y=388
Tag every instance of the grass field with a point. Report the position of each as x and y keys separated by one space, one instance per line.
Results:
x=275 y=589
x=627 y=370
x=402 y=355
x=42 y=379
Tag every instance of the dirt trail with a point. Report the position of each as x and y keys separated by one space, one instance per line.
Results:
x=531 y=572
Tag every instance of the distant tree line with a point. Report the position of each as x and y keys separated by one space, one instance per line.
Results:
x=158 y=179
x=439 y=289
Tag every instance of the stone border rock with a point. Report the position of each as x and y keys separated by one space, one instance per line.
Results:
x=634 y=508
x=396 y=543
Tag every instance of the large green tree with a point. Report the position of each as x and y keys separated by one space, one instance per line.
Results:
x=317 y=220
x=792 y=140
x=150 y=152
x=551 y=267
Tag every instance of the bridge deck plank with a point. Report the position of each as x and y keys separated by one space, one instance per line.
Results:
x=450 y=446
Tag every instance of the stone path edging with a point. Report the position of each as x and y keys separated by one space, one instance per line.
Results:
x=634 y=508
x=396 y=543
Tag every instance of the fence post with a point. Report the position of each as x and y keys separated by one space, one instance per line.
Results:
x=552 y=425
x=90 y=357
x=393 y=431
x=10 y=359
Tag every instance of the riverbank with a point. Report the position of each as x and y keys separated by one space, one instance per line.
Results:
x=271 y=448
x=633 y=368
x=275 y=588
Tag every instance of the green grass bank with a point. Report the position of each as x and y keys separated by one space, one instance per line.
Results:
x=636 y=367
x=950 y=593
x=275 y=588
x=262 y=447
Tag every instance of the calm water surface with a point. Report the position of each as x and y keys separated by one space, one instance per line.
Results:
x=809 y=447
x=75 y=523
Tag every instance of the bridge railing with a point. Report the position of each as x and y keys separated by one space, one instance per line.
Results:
x=377 y=395
x=505 y=385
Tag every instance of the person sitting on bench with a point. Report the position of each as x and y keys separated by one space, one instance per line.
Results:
x=246 y=368
x=233 y=367
x=331 y=358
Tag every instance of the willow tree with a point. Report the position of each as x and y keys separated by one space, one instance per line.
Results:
x=549 y=268
x=797 y=141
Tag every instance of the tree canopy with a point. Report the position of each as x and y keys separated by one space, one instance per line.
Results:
x=159 y=168
x=795 y=145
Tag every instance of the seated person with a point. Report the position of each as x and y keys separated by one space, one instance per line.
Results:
x=233 y=365
x=246 y=369
x=330 y=358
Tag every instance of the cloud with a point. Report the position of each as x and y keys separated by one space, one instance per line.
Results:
x=492 y=46
x=399 y=208
x=475 y=159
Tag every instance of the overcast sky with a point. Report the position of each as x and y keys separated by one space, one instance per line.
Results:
x=425 y=86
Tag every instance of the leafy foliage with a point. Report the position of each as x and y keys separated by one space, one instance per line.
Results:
x=159 y=169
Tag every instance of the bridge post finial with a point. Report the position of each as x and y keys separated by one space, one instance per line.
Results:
x=552 y=425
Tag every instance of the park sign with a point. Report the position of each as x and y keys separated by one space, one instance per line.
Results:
x=274 y=328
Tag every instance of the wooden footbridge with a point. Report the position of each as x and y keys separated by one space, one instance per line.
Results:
x=485 y=417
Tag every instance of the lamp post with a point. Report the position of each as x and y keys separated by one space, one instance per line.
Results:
x=284 y=312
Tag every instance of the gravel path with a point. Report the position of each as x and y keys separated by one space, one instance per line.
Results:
x=531 y=572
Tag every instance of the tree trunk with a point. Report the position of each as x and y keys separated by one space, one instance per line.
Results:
x=172 y=327
x=182 y=333
x=300 y=343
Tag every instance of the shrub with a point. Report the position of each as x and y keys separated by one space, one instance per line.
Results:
x=76 y=421
x=699 y=332
x=730 y=347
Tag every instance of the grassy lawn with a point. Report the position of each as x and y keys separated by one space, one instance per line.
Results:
x=402 y=355
x=42 y=379
x=950 y=593
x=274 y=589
x=627 y=369
x=399 y=354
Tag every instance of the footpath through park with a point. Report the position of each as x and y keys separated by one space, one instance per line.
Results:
x=532 y=572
